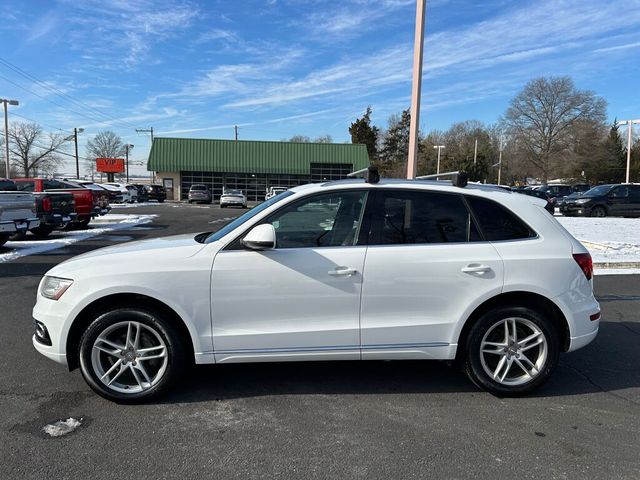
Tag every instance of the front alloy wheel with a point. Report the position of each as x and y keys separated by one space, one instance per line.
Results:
x=511 y=351
x=129 y=355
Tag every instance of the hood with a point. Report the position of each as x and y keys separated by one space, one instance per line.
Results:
x=132 y=255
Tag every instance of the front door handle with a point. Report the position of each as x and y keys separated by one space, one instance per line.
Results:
x=476 y=268
x=342 y=271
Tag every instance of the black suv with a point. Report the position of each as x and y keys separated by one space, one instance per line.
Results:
x=604 y=200
x=156 y=192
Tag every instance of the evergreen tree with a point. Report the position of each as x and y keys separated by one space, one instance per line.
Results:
x=363 y=132
x=613 y=157
x=395 y=145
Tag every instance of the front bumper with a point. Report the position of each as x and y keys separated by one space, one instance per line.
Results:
x=575 y=210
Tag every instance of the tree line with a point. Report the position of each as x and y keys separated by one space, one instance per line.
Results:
x=550 y=130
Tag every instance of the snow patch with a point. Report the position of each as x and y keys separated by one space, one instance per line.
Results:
x=59 y=239
x=62 y=427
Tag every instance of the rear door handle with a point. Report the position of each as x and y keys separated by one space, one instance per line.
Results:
x=476 y=268
x=342 y=271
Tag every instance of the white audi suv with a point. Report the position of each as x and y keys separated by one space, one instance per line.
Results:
x=344 y=270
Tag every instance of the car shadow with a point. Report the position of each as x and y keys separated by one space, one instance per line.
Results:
x=602 y=366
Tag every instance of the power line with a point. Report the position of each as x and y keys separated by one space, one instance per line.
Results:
x=60 y=93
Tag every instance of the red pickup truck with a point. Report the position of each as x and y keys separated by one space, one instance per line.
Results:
x=88 y=203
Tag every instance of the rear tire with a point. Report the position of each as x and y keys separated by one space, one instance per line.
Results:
x=113 y=346
x=508 y=361
x=83 y=222
x=4 y=238
x=598 y=212
x=42 y=231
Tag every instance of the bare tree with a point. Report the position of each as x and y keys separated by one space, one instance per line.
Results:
x=542 y=116
x=34 y=152
x=105 y=144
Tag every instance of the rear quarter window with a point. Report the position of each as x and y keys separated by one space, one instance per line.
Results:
x=497 y=222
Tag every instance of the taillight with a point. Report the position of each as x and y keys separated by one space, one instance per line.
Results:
x=46 y=204
x=585 y=263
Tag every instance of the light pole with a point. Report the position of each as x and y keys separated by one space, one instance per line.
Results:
x=127 y=147
x=6 y=102
x=629 y=135
x=76 y=131
x=475 y=152
x=500 y=161
x=439 y=147
x=418 y=46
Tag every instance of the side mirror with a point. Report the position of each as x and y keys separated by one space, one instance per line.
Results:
x=262 y=237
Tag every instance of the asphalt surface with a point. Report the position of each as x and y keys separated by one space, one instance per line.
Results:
x=318 y=420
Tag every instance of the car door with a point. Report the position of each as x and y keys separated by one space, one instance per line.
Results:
x=300 y=299
x=619 y=202
x=426 y=265
x=634 y=199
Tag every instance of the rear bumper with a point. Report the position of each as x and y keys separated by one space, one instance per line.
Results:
x=19 y=226
x=57 y=219
x=578 y=310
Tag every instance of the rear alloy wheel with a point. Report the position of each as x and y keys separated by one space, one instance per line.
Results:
x=598 y=212
x=130 y=355
x=511 y=351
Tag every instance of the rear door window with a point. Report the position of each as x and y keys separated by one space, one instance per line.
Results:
x=25 y=186
x=419 y=217
x=497 y=222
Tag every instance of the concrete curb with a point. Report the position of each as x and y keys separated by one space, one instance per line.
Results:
x=617 y=265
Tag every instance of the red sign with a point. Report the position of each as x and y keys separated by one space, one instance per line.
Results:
x=110 y=165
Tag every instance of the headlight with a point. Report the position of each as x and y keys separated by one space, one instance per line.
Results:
x=53 y=287
x=582 y=201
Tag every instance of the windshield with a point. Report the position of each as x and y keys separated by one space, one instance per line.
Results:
x=598 y=191
x=247 y=216
x=233 y=192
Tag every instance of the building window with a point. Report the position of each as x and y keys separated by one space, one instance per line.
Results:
x=324 y=172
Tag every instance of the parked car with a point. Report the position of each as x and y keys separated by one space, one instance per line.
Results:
x=622 y=200
x=133 y=192
x=156 y=192
x=273 y=191
x=115 y=194
x=17 y=211
x=55 y=210
x=233 y=198
x=89 y=199
x=143 y=195
x=199 y=193
x=549 y=207
x=557 y=191
x=126 y=194
x=393 y=270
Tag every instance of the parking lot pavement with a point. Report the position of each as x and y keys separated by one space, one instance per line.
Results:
x=319 y=420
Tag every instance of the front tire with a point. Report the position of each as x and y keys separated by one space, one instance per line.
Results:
x=511 y=351
x=598 y=212
x=130 y=355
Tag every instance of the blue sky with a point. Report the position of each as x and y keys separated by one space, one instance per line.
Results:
x=277 y=68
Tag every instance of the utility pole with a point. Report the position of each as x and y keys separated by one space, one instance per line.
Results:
x=475 y=152
x=236 y=130
x=629 y=136
x=500 y=161
x=127 y=147
x=6 y=102
x=418 y=46
x=147 y=130
x=439 y=147
x=76 y=131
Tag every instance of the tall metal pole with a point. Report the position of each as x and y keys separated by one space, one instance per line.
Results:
x=75 y=140
x=439 y=147
x=500 y=161
x=629 y=123
x=475 y=152
x=6 y=138
x=126 y=156
x=421 y=6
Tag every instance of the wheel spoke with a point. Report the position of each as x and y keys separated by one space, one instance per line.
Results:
x=136 y=341
x=523 y=367
x=110 y=343
x=143 y=370
x=530 y=363
x=514 y=337
x=113 y=353
x=113 y=367
x=135 y=374
x=506 y=370
x=496 y=351
x=501 y=363
x=524 y=341
x=494 y=344
x=506 y=332
x=123 y=368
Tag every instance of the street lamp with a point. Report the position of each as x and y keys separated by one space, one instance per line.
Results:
x=629 y=135
x=439 y=147
x=127 y=147
x=6 y=102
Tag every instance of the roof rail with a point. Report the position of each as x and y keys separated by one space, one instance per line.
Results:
x=459 y=178
x=370 y=174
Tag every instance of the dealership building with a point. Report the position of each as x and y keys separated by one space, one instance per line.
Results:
x=248 y=165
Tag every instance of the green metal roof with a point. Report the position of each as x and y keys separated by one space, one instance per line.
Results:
x=250 y=156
